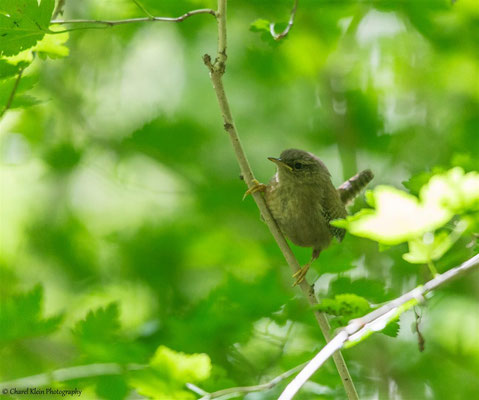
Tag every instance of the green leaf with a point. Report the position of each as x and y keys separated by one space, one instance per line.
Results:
x=260 y=25
x=169 y=372
x=181 y=367
x=347 y=306
x=100 y=340
x=23 y=23
x=20 y=100
x=7 y=69
x=453 y=190
x=391 y=329
x=432 y=246
x=21 y=316
x=99 y=325
x=371 y=289
x=416 y=182
x=381 y=324
x=53 y=45
x=401 y=217
x=398 y=217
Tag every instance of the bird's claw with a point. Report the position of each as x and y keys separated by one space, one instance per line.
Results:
x=300 y=274
x=257 y=187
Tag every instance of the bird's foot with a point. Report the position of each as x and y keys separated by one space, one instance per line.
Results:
x=300 y=274
x=257 y=187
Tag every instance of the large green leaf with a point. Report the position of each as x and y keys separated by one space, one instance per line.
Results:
x=100 y=338
x=21 y=316
x=23 y=23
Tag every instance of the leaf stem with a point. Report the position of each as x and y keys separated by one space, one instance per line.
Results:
x=12 y=93
x=432 y=268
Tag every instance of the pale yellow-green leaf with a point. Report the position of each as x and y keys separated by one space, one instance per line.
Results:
x=431 y=246
x=181 y=366
x=454 y=189
x=53 y=45
x=398 y=217
x=168 y=373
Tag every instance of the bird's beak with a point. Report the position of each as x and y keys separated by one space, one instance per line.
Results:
x=280 y=163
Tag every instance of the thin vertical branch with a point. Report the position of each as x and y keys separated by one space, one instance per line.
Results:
x=217 y=69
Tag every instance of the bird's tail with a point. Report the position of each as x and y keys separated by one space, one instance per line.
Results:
x=351 y=188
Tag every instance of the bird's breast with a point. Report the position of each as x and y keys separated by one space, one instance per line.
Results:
x=299 y=214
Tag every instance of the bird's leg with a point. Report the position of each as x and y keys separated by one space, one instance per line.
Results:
x=257 y=187
x=301 y=273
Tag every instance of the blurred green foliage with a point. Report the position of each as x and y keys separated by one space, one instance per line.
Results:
x=124 y=238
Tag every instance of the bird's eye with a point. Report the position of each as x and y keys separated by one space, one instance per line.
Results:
x=298 y=165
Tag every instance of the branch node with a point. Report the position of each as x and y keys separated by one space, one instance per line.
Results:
x=220 y=67
x=207 y=61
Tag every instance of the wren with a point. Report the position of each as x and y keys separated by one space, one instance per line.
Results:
x=303 y=201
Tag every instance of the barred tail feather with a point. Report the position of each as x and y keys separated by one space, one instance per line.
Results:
x=351 y=188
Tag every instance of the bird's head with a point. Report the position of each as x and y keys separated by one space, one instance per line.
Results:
x=301 y=166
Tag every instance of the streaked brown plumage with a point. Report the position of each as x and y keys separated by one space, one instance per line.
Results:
x=351 y=188
x=303 y=200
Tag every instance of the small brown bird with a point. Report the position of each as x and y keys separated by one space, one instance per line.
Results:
x=303 y=200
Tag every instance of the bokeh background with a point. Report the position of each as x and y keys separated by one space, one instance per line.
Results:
x=120 y=193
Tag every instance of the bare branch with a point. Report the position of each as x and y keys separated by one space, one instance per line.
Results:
x=375 y=321
x=66 y=374
x=279 y=36
x=244 y=389
x=12 y=94
x=134 y=20
x=217 y=69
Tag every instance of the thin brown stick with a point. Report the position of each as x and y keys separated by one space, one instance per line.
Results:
x=181 y=18
x=217 y=69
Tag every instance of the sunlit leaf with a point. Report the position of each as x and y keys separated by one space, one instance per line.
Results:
x=400 y=217
x=169 y=372
x=397 y=218
x=260 y=25
x=432 y=246
x=23 y=23
x=453 y=190
x=53 y=45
